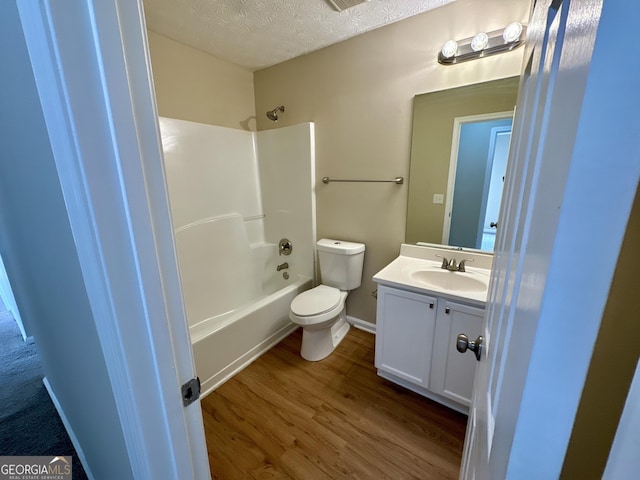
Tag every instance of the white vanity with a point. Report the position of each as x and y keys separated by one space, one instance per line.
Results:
x=422 y=307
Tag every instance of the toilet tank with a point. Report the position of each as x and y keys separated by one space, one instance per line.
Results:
x=340 y=263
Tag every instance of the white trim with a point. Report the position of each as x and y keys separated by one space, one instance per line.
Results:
x=453 y=162
x=623 y=461
x=68 y=428
x=9 y=301
x=362 y=324
x=91 y=67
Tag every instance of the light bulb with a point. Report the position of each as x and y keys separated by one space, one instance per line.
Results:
x=449 y=49
x=479 y=42
x=512 y=32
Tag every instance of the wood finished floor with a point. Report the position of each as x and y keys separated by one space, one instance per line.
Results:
x=284 y=417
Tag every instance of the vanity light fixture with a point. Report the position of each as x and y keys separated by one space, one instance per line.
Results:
x=449 y=49
x=482 y=44
x=512 y=32
x=479 y=42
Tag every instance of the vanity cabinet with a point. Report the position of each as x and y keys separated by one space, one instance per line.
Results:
x=404 y=340
x=452 y=372
x=416 y=344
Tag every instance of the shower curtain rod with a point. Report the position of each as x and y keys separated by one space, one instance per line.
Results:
x=397 y=180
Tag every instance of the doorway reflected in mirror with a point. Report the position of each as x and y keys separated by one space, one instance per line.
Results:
x=478 y=165
x=431 y=181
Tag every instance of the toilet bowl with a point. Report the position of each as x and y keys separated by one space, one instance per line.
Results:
x=321 y=311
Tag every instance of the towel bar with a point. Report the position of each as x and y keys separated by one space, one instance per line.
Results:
x=397 y=180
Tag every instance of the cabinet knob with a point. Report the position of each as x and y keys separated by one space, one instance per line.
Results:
x=431 y=305
x=447 y=310
x=463 y=344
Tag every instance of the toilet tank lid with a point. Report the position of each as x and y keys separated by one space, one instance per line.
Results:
x=340 y=246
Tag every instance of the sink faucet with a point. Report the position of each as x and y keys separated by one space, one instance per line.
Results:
x=447 y=264
x=461 y=265
x=282 y=266
x=452 y=265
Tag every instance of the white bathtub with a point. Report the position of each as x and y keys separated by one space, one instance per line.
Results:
x=237 y=302
x=225 y=344
x=234 y=195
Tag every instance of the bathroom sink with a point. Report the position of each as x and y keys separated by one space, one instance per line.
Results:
x=419 y=269
x=453 y=281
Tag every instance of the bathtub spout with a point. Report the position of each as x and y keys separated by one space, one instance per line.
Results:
x=282 y=266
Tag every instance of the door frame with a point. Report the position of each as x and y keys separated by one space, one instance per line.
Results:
x=6 y=295
x=92 y=70
x=453 y=162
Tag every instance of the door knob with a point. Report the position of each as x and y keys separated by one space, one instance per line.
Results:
x=463 y=344
x=493 y=224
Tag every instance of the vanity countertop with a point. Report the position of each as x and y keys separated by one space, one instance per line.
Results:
x=418 y=269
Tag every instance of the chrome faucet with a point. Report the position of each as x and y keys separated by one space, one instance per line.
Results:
x=282 y=266
x=452 y=264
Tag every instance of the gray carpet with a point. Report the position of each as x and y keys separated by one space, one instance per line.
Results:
x=29 y=423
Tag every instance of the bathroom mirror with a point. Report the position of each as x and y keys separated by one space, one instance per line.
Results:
x=437 y=179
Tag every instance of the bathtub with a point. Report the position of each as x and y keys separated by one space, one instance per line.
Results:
x=224 y=345
x=237 y=302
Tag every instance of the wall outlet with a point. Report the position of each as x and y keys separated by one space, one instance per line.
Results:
x=438 y=198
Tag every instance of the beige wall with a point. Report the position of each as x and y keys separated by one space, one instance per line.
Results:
x=195 y=86
x=359 y=93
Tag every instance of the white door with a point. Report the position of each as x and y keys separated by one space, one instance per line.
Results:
x=551 y=274
x=91 y=66
x=499 y=152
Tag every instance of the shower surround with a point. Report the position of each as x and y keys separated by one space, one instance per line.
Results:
x=234 y=194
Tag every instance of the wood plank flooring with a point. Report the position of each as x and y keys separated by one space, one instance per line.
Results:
x=283 y=417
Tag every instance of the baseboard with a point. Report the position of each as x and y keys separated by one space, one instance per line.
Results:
x=67 y=426
x=236 y=366
x=362 y=324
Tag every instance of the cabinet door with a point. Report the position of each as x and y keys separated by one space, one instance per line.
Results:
x=404 y=334
x=453 y=372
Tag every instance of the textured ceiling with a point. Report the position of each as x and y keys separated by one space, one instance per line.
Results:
x=259 y=33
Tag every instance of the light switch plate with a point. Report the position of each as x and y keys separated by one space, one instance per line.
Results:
x=438 y=198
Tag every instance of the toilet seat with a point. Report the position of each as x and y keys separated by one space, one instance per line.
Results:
x=317 y=306
x=316 y=301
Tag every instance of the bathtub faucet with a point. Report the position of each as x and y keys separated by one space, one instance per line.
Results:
x=282 y=266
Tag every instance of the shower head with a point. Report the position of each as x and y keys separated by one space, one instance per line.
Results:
x=273 y=114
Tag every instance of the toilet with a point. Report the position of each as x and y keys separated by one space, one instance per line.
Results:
x=321 y=311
